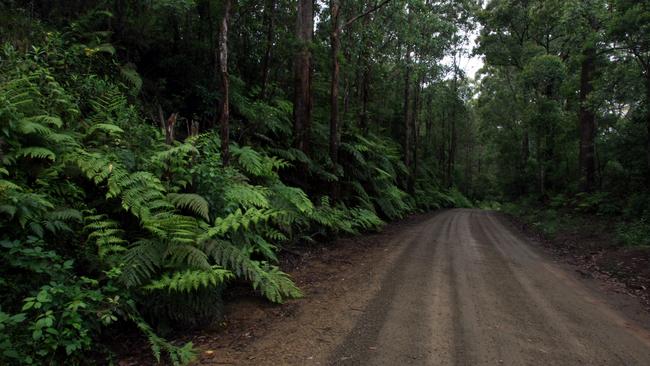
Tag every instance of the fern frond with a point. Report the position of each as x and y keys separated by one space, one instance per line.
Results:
x=66 y=214
x=191 y=280
x=274 y=284
x=247 y=196
x=28 y=127
x=108 y=128
x=194 y=202
x=106 y=234
x=249 y=159
x=36 y=153
x=141 y=262
x=187 y=256
x=241 y=219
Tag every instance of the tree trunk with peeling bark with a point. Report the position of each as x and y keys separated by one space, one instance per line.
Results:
x=222 y=56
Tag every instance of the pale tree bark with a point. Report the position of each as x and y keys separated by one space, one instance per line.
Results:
x=222 y=56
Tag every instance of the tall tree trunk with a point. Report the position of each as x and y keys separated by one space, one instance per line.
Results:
x=541 y=162
x=302 y=103
x=365 y=77
x=429 y=139
x=442 y=150
x=365 y=95
x=414 y=138
x=224 y=116
x=451 y=162
x=647 y=96
x=587 y=122
x=335 y=43
x=407 y=117
x=452 y=138
x=266 y=63
x=525 y=154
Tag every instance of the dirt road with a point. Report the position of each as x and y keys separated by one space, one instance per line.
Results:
x=457 y=288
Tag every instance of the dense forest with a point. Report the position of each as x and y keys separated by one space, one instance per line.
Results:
x=153 y=153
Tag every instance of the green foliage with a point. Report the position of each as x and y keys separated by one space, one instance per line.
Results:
x=147 y=232
x=105 y=224
x=634 y=234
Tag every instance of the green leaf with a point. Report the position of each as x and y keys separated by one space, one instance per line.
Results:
x=105 y=127
x=37 y=334
x=36 y=153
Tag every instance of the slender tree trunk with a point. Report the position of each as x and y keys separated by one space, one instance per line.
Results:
x=407 y=117
x=346 y=79
x=302 y=104
x=365 y=95
x=415 y=132
x=365 y=78
x=525 y=154
x=224 y=116
x=430 y=143
x=452 y=138
x=335 y=43
x=541 y=162
x=647 y=95
x=442 y=156
x=266 y=63
x=587 y=123
x=451 y=162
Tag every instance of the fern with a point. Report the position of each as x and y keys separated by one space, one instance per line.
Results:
x=106 y=234
x=186 y=256
x=247 y=196
x=194 y=202
x=36 y=153
x=141 y=262
x=191 y=280
x=178 y=355
x=241 y=220
x=274 y=284
x=28 y=127
x=293 y=197
x=108 y=128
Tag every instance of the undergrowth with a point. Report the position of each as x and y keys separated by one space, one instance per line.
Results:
x=104 y=224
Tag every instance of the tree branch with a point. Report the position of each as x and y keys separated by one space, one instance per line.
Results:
x=365 y=13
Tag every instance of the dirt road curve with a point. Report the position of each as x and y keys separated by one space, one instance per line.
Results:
x=460 y=287
x=468 y=291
